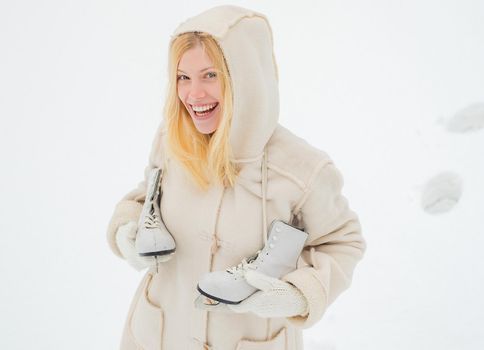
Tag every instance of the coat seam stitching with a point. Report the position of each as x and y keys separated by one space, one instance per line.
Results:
x=287 y=175
x=309 y=186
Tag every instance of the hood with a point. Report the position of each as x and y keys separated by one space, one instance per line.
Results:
x=245 y=37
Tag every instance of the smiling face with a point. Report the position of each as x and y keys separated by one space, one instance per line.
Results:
x=199 y=89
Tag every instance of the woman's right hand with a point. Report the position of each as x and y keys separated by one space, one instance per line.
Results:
x=125 y=239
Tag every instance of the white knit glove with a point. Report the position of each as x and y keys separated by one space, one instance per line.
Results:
x=276 y=298
x=125 y=239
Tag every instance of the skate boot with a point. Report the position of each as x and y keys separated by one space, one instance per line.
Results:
x=278 y=257
x=153 y=238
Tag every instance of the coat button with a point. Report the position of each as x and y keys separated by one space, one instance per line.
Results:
x=215 y=245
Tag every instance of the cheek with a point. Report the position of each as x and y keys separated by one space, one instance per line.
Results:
x=181 y=93
x=216 y=91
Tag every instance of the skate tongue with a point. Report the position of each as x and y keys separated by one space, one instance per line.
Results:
x=244 y=265
x=152 y=220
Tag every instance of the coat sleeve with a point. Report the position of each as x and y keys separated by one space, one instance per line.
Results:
x=130 y=205
x=333 y=248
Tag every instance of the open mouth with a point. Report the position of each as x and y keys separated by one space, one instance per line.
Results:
x=206 y=113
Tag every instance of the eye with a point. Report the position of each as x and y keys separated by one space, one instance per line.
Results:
x=180 y=77
x=214 y=74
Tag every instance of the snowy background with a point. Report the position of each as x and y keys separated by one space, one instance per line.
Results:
x=392 y=90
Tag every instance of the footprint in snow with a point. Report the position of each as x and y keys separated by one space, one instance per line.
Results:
x=441 y=193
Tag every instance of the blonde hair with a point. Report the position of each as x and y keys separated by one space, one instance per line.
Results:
x=206 y=157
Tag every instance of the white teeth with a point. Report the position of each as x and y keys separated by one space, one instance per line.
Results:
x=203 y=108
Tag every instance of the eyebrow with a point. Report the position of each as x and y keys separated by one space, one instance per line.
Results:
x=200 y=71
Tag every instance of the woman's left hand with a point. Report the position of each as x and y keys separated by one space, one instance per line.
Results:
x=275 y=298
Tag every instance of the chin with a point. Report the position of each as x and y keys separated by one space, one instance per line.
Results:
x=206 y=131
x=208 y=126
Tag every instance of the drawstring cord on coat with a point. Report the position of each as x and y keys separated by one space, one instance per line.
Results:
x=264 y=194
x=264 y=215
x=295 y=220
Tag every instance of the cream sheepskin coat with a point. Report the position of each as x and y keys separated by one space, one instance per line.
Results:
x=281 y=175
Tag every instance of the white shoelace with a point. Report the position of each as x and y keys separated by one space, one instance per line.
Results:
x=152 y=220
x=247 y=263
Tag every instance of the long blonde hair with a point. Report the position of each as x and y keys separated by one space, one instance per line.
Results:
x=205 y=157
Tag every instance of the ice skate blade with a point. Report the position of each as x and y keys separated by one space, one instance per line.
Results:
x=217 y=299
x=209 y=302
x=161 y=252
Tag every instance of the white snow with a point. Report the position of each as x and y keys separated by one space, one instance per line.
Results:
x=468 y=119
x=441 y=193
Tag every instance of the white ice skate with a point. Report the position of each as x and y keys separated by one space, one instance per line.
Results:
x=153 y=238
x=277 y=258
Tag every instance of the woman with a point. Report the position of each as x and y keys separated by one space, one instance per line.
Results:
x=227 y=176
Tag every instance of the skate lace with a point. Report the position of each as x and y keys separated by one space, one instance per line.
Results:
x=247 y=263
x=152 y=220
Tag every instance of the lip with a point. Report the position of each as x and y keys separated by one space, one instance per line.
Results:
x=207 y=116
x=202 y=104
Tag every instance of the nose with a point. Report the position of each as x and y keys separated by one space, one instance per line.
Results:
x=197 y=91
